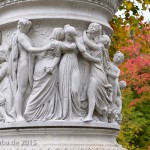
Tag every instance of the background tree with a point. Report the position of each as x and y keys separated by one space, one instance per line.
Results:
x=132 y=37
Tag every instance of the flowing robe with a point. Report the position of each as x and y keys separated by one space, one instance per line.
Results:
x=99 y=88
x=44 y=101
x=68 y=66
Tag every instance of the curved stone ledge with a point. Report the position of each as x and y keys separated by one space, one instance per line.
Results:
x=110 y=4
x=100 y=11
x=101 y=125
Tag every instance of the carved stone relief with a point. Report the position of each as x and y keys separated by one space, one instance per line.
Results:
x=59 y=73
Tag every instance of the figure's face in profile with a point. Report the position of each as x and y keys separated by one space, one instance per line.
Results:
x=24 y=29
x=69 y=36
x=103 y=41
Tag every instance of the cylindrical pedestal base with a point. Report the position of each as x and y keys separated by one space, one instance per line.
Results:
x=59 y=139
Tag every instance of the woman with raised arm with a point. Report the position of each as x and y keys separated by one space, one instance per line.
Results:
x=69 y=80
x=99 y=90
x=69 y=76
x=44 y=101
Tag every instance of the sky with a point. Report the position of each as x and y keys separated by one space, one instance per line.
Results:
x=146 y=13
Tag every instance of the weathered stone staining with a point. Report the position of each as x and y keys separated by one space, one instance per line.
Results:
x=53 y=80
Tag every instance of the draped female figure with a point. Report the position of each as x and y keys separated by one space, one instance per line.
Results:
x=44 y=101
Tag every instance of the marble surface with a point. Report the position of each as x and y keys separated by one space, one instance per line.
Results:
x=59 y=139
x=59 y=90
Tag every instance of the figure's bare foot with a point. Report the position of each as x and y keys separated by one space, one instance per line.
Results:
x=9 y=119
x=20 y=118
x=88 y=119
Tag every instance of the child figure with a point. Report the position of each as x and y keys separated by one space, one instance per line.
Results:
x=113 y=73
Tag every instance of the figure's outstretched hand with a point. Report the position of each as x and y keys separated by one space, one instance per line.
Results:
x=51 y=46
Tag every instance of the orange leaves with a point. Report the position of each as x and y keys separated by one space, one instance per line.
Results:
x=137 y=73
x=132 y=37
x=135 y=44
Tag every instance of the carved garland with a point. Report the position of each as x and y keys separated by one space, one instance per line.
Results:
x=111 y=5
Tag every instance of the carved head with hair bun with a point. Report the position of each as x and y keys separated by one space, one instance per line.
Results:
x=58 y=34
x=118 y=57
x=24 y=25
x=70 y=32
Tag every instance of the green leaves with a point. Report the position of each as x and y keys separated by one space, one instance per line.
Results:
x=132 y=37
x=135 y=133
x=129 y=5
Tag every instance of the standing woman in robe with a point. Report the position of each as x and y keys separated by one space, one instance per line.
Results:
x=44 y=101
x=69 y=80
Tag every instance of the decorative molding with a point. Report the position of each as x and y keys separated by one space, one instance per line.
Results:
x=60 y=123
x=111 y=5
x=84 y=147
x=69 y=147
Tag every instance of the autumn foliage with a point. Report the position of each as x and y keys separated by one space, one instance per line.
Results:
x=136 y=69
x=132 y=37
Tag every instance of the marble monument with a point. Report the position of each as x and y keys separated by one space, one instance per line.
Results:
x=59 y=89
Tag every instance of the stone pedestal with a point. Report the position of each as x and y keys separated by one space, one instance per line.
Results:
x=45 y=16
x=60 y=135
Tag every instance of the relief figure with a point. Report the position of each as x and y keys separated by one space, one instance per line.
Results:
x=113 y=73
x=69 y=80
x=44 y=101
x=69 y=75
x=6 y=101
x=99 y=91
x=21 y=65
